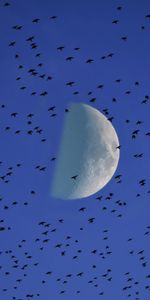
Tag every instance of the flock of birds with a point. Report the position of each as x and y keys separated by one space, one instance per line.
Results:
x=21 y=263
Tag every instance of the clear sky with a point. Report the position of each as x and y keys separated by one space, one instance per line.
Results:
x=118 y=78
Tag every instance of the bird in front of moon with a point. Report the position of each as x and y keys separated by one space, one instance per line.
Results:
x=88 y=154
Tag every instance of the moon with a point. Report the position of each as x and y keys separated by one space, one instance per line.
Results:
x=87 y=157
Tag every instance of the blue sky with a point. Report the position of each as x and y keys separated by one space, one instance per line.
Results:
x=87 y=25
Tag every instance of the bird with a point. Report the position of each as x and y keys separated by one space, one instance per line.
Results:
x=51 y=108
x=6 y=4
x=60 y=48
x=89 y=61
x=14 y=114
x=69 y=58
x=82 y=209
x=70 y=83
x=74 y=177
x=30 y=39
x=115 y=21
x=124 y=38
x=53 y=17
x=12 y=43
x=35 y=20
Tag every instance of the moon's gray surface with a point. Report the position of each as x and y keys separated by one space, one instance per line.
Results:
x=87 y=149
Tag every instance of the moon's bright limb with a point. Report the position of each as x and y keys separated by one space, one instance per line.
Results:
x=87 y=149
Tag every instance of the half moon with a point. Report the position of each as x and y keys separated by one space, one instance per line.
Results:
x=87 y=151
